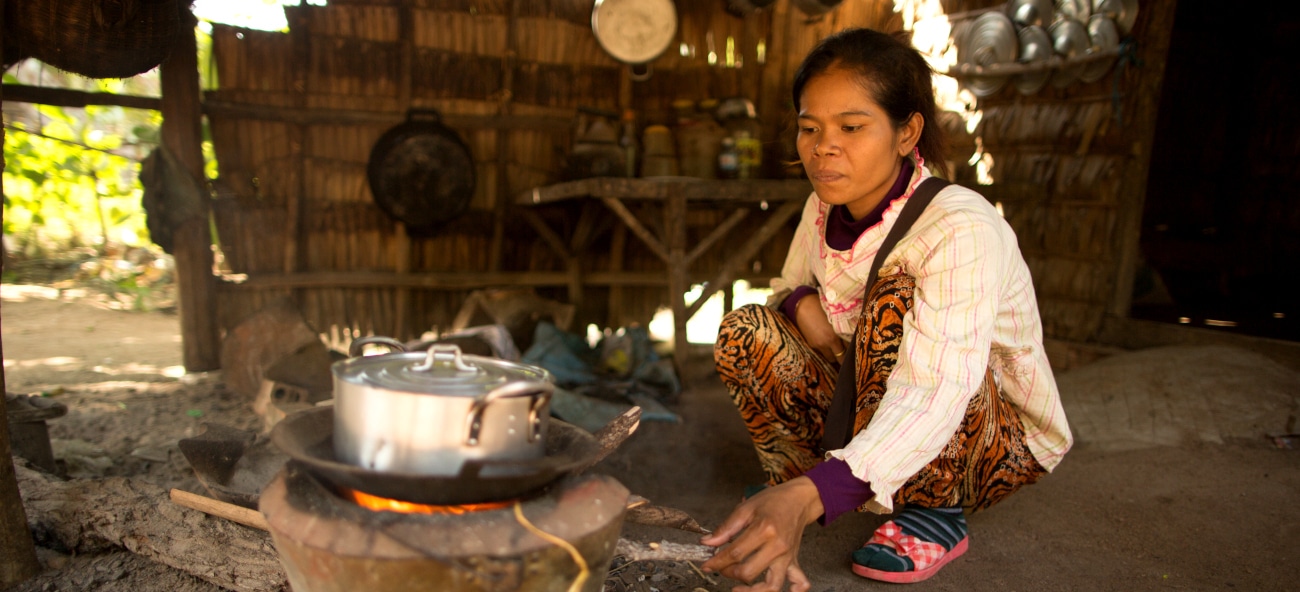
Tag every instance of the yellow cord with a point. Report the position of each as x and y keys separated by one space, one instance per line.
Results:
x=583 y=572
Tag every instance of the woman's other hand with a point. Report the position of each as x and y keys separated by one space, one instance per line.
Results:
x=816 y=328
x=762 y=534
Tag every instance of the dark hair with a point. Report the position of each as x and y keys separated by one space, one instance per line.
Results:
x=895 y=74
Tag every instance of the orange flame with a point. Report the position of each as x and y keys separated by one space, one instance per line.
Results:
x=384 y=504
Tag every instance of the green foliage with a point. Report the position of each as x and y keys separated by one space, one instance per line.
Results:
x=69 y=183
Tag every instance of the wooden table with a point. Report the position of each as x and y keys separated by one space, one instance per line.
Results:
x=783 y=198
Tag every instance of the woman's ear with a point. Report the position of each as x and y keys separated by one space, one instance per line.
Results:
x=910 y=134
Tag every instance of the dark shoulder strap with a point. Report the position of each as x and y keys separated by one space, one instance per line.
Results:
x=843 y=410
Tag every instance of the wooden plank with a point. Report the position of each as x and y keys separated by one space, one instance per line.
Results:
x=457 y=280
x=63 y=97
x=694 y=190
x=233 y=110
x=182 y=136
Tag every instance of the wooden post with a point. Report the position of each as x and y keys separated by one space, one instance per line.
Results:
x=678 y=276
x=617 y=246
x=1143 y=104
x=507 y=95
x=17 y=552
x=182 y=135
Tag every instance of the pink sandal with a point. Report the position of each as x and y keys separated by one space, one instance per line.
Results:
x=928 y=558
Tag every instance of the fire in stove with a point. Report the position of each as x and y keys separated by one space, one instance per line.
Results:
x=387 y=504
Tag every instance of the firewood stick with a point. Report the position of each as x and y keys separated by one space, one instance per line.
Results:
x=612 y=435
x=219 y=509
x=663 y=551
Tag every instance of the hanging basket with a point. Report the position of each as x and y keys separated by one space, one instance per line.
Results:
x=94 y=38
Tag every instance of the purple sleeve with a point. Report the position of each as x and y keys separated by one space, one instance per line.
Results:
x=788 y=305
x=838 y=488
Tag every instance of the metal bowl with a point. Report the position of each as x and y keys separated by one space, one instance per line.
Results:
x=1123 y=12
x=1069 y=40
x=991 y=40
x=1104 y=36
x=1026 y=13
x=1035 y=48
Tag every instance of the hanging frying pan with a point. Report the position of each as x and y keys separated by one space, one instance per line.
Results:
x=1035 y=47
x=991 y=40
x=1104 y=36
x=421 y=173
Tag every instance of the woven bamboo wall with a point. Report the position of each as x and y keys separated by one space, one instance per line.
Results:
x=1060 y=155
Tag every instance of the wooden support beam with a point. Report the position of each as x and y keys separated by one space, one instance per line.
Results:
x=704 y=191
x=678 y=279
x=549 y=236
x=182 y=136
x=456 y=280
x=731 y=267
x=716 y=235
x=506 y=99
x=215 y=106
x=617 y=246
x=1145 y=100
x=63 y=97
x=637 y=228
x=17 y=552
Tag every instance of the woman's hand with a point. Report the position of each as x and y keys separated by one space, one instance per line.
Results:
x=816 y=328
x=763 y=534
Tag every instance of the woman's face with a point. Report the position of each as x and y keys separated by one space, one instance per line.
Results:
x=850 y=149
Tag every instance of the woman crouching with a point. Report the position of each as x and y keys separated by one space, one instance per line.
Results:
x=951 y=404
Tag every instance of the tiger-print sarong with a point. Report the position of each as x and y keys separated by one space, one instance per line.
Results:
x=782 y=388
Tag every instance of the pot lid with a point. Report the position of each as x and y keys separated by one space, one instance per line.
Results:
x=1123 y=12
x=1030 y=12
x=634 y=31
x=1035 y=47
x=1104 y=36
x=991 y=40
x=1079 y=10
x=1069 y=40
x=442 y=370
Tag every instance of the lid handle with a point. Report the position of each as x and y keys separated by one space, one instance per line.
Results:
x=447 y=354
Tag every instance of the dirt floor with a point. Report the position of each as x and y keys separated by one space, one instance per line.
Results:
x=1199 y=515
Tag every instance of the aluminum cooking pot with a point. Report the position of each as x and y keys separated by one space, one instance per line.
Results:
x=429 y=412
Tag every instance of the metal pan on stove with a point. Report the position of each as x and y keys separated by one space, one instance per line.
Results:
x=308 y=438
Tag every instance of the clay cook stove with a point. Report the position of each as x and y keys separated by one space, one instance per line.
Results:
x=496 y=526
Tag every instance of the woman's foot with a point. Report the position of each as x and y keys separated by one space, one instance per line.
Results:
x=913 y=546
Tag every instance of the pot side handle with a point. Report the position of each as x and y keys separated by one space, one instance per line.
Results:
x=540 y=392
